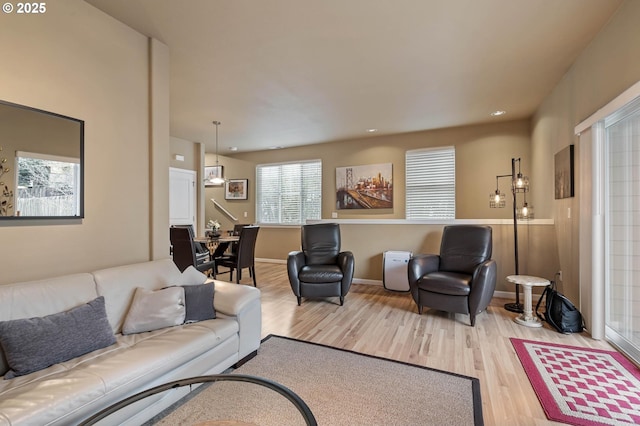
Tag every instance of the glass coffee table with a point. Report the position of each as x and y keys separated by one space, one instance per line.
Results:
x=287 y=393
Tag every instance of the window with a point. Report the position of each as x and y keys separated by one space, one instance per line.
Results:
x=47 y=185
x=431 y=183
x=289 y=193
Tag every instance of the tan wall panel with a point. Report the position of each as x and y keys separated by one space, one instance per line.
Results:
x=482 y=152
x=77 y=61
x=607 y=67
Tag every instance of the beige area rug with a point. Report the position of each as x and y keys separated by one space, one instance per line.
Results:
x=340 y=387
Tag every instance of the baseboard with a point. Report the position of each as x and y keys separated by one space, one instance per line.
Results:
x=264 y=260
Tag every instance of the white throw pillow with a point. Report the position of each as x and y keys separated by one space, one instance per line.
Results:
x=191 y=276
x=152 y=310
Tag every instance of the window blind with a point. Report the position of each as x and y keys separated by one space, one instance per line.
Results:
x=289 y=193
x=431 y=183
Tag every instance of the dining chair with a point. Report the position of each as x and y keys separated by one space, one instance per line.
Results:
x=184 y=251
x=243 y=258
x=202 y=251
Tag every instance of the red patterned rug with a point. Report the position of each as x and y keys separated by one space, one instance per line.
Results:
x=582 y=386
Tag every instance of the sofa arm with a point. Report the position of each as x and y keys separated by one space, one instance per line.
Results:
x=242 y=303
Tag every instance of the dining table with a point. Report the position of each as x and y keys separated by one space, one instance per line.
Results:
x=217 y=245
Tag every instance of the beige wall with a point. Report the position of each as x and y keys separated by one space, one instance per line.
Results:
x=233 y=168
x=77 y=61
x=608 y=66
x=482 y=152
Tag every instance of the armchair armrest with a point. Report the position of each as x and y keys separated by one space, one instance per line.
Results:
x=242 y=303
x=422 y=264
x=346 y=263
x=483 y=284
x=295 y=262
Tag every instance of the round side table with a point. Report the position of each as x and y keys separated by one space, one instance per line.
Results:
x=528 y=282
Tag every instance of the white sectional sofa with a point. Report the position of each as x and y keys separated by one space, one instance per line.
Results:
x=71 y=391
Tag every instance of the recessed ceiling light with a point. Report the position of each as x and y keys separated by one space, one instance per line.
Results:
x=498 y=113
x=372 y=130
x=276 y=147
x=233 y=148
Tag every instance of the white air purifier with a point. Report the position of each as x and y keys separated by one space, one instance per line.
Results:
x=394 y=270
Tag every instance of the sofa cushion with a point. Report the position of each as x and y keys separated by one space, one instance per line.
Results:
x=199 y=302
x=35 y=343
x=152 y=310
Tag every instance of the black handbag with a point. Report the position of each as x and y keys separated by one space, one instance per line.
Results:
x=560 y=312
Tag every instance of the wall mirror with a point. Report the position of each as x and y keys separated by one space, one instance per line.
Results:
x=41 y=164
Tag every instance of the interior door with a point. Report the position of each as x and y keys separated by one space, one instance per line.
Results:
x=182 y=197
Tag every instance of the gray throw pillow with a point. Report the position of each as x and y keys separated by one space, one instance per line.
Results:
x=199 y=302
x=152 y=310
x=32 y=344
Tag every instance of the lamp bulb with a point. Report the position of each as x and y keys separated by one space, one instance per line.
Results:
x=525 y=211
x=497 y=197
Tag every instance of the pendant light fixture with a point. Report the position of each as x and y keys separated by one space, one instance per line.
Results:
x=217 y=180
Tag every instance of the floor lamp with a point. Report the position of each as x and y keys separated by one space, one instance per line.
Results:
x=519 y=184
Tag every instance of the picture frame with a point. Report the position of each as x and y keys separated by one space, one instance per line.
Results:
x=236 y=189
x=211 y=172
x=564 y=173
x=367 y=186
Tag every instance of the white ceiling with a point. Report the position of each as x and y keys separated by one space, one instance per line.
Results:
x=295 y=72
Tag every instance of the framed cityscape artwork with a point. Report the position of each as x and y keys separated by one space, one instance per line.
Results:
x=364 y=187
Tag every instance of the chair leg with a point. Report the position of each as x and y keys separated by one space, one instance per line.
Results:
x=473 y=320
x=252 y=273
x=299 y=300
x=341 y=300
x=419 y=309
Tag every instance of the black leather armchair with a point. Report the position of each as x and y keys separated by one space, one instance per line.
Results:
x=462 y=278
x=320 y=269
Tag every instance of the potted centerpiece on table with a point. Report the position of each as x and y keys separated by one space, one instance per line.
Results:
x=213 y=229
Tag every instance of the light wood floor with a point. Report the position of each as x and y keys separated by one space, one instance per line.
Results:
x=386 y=324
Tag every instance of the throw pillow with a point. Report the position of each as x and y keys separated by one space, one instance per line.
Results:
x=199 y=302
x=191 y=276
x=152 y=310
x=32 y=344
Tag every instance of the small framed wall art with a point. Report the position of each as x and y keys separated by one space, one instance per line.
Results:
x=236 y=189
x=211 y=172
x=564 y=171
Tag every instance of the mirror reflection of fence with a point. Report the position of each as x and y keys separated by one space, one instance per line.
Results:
x=47 y=185
x=42 y=168
x=6 y=196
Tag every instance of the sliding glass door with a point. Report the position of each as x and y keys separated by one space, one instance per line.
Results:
x=622 y=229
